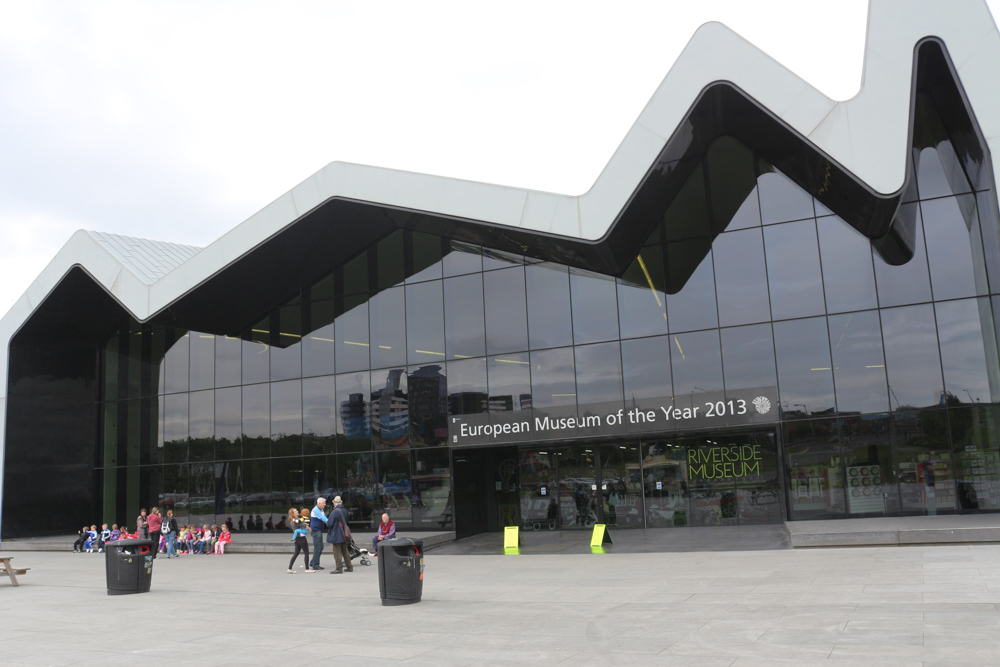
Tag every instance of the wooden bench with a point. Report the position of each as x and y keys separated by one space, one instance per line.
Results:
x=11 y=571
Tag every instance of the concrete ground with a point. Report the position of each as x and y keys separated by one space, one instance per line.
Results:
x=921 y=605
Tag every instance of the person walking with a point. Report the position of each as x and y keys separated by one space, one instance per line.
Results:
x=142 y=526
x=155 y=523
x=318 y=522
x=300 y=526
x=169 y=530
x=338 y=536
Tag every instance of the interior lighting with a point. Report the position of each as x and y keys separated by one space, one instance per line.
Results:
x=385 y=347
x=678 y=344
x=349 y=342
x=436 y=354
x=511 y=361
x=326 y=340
x=819 y=369
x=876 y=366
x=564 y=394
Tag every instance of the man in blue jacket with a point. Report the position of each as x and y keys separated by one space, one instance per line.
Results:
x=317 y=524
x=339 y=536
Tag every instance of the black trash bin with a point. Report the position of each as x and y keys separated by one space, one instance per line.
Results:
x=129 y=565
x=400 y=571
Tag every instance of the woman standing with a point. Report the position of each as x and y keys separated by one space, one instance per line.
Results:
x=300 y=526
x=142 y=525
x=169 y=529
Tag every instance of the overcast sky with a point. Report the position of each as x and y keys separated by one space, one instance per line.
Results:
x=176 y=121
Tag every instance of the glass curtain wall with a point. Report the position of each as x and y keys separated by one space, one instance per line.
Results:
x=879 y=381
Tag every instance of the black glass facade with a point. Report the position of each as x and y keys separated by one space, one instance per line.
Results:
x=758 y=358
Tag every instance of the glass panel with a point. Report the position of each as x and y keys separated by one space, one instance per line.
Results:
x=176 y=364
x=665 y=487
x=319 y=415
x=257 y=485
x=647 y=384
x=553 y=390
x=256 y=421
x=355 y=276
x=506 y=318
x=815 y=469
x=848 y=274
x=498 y=259
x=990 y=228
x=351 y=333
x=256 y=362
x=202 y=361
x=318 y=350
x=781 y=200
x=793 y=270
x=913 y=364
x=467 y=387
x=687 y=216
x=464 y=317
x=733 y=185
x=175 y=494
x=356 y=483
x=641 y=298
x=621 y=486
x=805 y=379
x=510 y=396
x=577 y=487
x=741 y=278
x=286 y=491
x=748 y=359
x=696 y=362
x=926 y=483
x=868 y=465
x=691 y=286
x=175 y=428
x=910 y=282
x=595 y=307
x=389 y=408
x=393 y=488
x=713 y=500
x=387 y=313
x=425 y=322
x=462 y=258
x=428 y=395
x=431 y=494
x=858 y=363
x=599 y=387
x=353 y=426
x=391 y=265
x=954 y=247
x=286 y=351
x=286 y=418
x=228 y=361
x=228 y=423
x=201 y=425
x=977 y=457
x=757 y=489
x=426 y=257
x=968 y=349
x=538 y=490
x=550 y=320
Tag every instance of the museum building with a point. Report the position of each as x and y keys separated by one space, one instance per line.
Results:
x=745 y=332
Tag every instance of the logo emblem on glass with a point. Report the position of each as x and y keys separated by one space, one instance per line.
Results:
x=762 y=404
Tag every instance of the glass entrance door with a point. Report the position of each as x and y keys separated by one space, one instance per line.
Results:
x=578 y=491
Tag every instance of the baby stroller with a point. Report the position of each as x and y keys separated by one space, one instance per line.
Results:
x=355 y=552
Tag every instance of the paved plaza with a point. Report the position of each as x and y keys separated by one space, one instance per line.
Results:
x=921 y=605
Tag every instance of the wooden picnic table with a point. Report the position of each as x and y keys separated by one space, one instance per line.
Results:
x=11 y=571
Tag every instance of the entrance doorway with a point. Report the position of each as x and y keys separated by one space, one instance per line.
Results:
x=714 y=480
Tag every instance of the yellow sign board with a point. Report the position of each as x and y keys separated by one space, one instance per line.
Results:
x=601 y=535
x=511 y=537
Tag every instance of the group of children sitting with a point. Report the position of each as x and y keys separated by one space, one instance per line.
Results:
x=89 y=539
x=190 y=539
x=205 y=540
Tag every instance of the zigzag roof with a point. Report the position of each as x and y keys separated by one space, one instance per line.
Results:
x=863 y=141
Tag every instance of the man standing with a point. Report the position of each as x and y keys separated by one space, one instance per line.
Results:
x=155 y=523
x=339 y=534
x=317 y=523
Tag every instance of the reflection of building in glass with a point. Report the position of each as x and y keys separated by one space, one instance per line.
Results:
x=354 y=417
x=507 y=403
x=390 y=411
x=428 y=394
